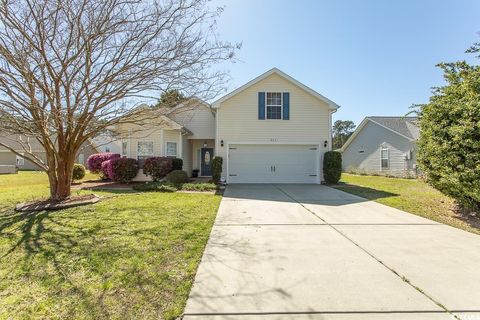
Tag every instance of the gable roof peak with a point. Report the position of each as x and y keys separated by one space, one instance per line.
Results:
x=275 y=70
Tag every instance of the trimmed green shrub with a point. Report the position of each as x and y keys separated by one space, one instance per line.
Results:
x=332 y=166
x=144 y=187
x=198 y=187
x=217 y=163
x=449 y=144
x=122 y=170
x=78 y=172
x=177 y=164
x=157 y=167
x=166 y=188
x=177 y=177
x=153 y=186
x=170 y=187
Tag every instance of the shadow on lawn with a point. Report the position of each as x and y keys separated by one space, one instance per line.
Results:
x=467 y=215
x=42 y=245
x=27 y=221
x=75 y=255
x=364 y=192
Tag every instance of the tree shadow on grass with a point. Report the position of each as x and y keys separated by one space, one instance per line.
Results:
x=27 y=221
x=68 y=253
x=32 y=239
x=364 y=192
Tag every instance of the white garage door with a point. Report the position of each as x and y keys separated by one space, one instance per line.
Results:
x=273 y=163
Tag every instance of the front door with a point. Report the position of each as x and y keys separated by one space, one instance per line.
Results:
x=206 y=161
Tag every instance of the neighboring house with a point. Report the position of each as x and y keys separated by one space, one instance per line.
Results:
x=273 y=129
x=382 y=145
x=9 y=158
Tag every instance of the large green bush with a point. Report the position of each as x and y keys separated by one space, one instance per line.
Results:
x=217 y=163
x=177 y=164
x=449 y=144
x=78 y=172
x=332 y=166
x=177 y=177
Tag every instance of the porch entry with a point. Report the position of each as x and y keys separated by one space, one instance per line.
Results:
x=206 y=156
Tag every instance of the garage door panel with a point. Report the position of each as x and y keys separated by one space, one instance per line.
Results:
x=273 y=164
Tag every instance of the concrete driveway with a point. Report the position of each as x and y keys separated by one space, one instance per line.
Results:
x=313 y=252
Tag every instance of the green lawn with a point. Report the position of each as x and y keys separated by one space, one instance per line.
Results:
x=128 y=256
x=410 y=195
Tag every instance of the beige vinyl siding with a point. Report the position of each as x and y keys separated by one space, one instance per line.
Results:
x=172 y=136
x=187 y=155
x=200 y=121
x=238 y=118
x=7 y=158
x=158 y=136
x=371 y=139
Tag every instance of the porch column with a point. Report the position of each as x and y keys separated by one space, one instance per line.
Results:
x=180 y=146
x=162 y=143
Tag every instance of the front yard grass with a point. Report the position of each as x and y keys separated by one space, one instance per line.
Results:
x=128 y=256
x=410 y=195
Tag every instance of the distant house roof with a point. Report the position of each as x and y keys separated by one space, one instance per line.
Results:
x=406 y=127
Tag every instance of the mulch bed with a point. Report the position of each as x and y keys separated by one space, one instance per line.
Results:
x=467 y=215
x=73 y=201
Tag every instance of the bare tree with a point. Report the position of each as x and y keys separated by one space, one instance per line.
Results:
x=70 y=69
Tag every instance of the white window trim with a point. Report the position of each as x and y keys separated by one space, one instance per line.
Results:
x=146 y=155
x=127 y=151
x=176 y=149
x=274 y=105
x=19 y=159
x=381 y=158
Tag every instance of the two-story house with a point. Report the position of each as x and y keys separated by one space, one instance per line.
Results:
x=273 y=129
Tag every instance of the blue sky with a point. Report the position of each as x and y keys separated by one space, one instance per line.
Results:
x=371 y=57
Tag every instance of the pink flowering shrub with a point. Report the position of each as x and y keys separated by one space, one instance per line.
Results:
x=121 y=170
x=94 y=162
x=157 y=167
x=107 y=169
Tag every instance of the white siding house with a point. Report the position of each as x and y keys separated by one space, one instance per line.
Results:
x=382 y=145
x=273 y=129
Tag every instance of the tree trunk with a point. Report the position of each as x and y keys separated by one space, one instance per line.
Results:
x=60 y=179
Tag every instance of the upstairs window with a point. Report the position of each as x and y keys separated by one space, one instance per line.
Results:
x=384 y=157
x=274 y=105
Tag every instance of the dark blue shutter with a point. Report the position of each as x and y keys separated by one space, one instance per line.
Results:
x=261 y=106
x=286 y=106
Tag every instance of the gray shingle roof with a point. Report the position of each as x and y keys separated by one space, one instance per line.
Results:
x=406 y=126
